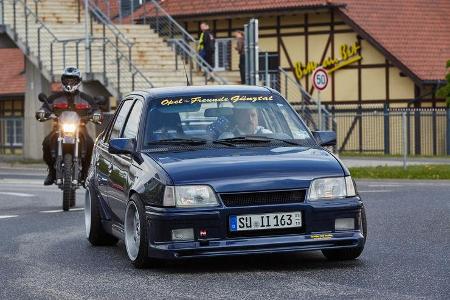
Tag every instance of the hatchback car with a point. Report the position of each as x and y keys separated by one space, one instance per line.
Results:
x=211 y=171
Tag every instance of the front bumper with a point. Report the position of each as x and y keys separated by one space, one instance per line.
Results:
x=317 y=232
x=295 y=243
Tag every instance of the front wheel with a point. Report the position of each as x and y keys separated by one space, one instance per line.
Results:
x=349 y=253
x=68 y=192
x=95 y=232
x=136 y=238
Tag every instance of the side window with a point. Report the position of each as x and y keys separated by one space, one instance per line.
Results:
x=120 y=120
x=132 y=125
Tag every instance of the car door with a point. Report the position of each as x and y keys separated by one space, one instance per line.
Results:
x=120 y=175
x=104 y=165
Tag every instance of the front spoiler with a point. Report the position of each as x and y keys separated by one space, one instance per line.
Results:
x=259 y=245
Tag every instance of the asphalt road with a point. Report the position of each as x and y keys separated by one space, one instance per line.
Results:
x=44 y=253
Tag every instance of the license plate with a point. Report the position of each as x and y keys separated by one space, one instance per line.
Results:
x=266 y=221
x=68 y=140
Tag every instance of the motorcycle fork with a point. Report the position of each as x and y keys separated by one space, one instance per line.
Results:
x=76 y=167
x=59 y=159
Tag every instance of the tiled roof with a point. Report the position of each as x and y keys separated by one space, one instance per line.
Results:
x=415 y=34
x=184 y=8
x=12 y=81
x=195 y=7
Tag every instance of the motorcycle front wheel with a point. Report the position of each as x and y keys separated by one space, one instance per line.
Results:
x=68 y=192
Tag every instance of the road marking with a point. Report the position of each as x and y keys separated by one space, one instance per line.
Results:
x=16 y=194
x=60 y=210
x=385 y=185
x=376 y=191
x=21 y=181
x=7 y=217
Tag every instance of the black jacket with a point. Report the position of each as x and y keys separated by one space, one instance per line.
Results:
x=208 y=42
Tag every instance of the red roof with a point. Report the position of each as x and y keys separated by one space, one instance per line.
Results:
x=414 y=34
x=12 y=81
x=196 y=7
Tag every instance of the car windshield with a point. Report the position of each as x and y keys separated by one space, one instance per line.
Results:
x=227 y=119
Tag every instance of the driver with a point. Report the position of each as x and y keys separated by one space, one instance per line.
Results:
x=71 y=99
x=245 y=123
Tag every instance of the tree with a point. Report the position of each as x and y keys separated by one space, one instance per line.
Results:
x=444 y=91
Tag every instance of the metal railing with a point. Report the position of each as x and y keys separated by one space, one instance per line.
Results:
x=98 y=15
x=183 y=44
x=401 y=131
x=115 y=67
x=51 y=54
x=316 y=115
x=169 y=29
x=188 y=56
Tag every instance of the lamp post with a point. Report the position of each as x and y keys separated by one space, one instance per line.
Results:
x=87 y=37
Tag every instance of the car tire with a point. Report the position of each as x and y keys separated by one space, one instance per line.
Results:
x=135 y=233
x=95 y=233
x=349 y=253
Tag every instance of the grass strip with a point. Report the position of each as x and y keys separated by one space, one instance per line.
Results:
x=412 y=172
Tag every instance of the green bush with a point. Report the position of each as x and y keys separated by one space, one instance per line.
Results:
x=444 y=91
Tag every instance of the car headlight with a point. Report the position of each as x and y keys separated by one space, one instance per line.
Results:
x=69 y=128
x=331 y=188
x=190 y=196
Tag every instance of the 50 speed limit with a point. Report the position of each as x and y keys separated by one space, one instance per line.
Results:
x=320 y=78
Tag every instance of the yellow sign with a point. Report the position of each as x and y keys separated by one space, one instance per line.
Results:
x=348 y=55
x=233 y=99
x=322 y=236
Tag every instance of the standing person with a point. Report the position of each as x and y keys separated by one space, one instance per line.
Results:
x=206 y=44
x=240 y=49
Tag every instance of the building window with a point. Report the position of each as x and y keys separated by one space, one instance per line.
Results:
x=11 y=126
x=14 y=132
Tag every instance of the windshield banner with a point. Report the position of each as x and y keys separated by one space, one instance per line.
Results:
x=207 y=99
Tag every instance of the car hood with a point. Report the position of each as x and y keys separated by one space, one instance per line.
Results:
x=249 y=169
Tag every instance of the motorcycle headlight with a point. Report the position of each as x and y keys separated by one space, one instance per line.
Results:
x=331 y=188
x=190 y=196
x=69 y=128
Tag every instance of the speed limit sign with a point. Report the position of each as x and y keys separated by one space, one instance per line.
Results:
x=320 y=79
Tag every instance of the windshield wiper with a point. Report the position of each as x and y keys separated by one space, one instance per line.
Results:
x=179 y=141
x=290 y=142
x=252 y=139
x=256 y=139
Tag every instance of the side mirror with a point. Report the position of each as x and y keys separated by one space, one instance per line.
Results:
x=122 y=146
x=42 y=97
x=325 y=138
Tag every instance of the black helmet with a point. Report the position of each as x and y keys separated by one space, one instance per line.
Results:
x=71 y=79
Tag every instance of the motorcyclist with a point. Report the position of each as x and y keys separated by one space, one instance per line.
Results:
x=70 y=99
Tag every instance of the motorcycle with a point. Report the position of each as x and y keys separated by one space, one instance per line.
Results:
x=70 y=152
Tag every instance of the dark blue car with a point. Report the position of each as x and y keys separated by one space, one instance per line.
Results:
x=210 y=171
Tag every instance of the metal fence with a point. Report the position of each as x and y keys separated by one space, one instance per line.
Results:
x=395 y=131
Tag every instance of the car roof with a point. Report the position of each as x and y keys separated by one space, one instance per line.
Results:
x=157 y=93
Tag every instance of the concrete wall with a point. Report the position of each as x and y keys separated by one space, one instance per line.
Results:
x=34 y=131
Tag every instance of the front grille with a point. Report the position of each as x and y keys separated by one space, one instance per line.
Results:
x=262 y=198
